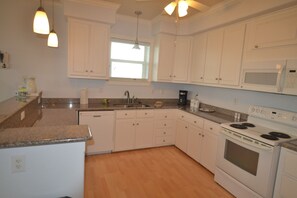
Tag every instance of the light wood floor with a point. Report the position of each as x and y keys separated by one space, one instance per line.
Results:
x=154 y=173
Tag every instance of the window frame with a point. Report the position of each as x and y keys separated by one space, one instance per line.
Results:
x=145 y=64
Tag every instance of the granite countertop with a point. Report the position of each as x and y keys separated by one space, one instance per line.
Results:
x=292 y=145
x=32 y=136
x=12 y=105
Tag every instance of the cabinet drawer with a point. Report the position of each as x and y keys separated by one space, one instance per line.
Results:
x=144 y=113
x=126 y=114
x=196 y=121
x=212 y=126
x=159 y=141
x=183 y=115
x=165 y=123
x=164 y=132
x=165 y=114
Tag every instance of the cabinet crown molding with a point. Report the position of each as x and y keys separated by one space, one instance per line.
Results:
x=100 y=11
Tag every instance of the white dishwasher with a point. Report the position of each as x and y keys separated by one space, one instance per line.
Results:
x=101 y=124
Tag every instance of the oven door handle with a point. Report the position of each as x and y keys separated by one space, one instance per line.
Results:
x=246 y=140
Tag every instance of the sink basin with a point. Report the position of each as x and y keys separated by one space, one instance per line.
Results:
x=132 y=105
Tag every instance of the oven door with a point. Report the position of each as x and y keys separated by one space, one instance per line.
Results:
x=251 y=165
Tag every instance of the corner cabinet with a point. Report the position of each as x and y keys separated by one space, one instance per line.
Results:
x=88 y=49
x=171 y=58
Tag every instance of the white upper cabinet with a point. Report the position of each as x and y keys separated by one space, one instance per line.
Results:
x=232 y=54
x=273 y=30
x=217 y=56
x=171 y=58
x=213 y=55
x=198 y=58
x=88 y=49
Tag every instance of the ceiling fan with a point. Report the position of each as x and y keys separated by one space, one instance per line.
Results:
x=183 y=5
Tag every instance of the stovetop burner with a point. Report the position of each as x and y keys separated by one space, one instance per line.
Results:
x=269 y=137
x=238 y=126
x=280 y=135
x=248 y=124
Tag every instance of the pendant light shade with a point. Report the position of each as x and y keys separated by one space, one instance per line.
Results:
x=52 y=40
x=136 y=44
x=40 y=23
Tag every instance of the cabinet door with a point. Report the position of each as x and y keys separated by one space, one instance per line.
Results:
x=232 y=54
x=99 y=50
x=209 y=144
x=181 y=58
x=125 y=134
x=78 y=47
x=164 y=54
x=181 y=140
x=144 y=133
x=213 y=56
x=274 y=30
x=101 y=125
x=195 y=143
x=198 y=58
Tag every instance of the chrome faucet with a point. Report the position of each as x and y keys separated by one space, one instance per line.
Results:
x=128 y=96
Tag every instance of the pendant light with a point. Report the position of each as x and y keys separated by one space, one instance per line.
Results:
x=40 y=22
x=136 y=44
x=52 y=40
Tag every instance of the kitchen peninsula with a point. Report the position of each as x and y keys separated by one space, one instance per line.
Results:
x=39 y=161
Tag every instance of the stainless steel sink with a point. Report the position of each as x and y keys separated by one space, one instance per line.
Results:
x=132 y=105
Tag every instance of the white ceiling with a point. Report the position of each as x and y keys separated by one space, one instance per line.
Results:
x=152 y=8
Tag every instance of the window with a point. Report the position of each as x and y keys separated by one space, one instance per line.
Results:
x=129 y=63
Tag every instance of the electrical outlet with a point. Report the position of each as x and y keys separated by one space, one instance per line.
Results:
x=18 y=163
x=23 y=115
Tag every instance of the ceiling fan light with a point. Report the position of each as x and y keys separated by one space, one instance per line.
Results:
x=52 y=40
x=40 y=23
x=170 y=8
x=182 y=13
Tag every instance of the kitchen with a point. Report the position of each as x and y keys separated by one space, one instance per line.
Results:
x=29 y=56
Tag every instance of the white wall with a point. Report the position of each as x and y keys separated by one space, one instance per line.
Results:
x=30 y=56
x=55 y=170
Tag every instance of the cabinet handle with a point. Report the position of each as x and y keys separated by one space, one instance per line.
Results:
x=91 y=70
x=210 y=128
x=186 y=127
x=182 y=116
x=170 y=76
x=87 y=70
x=166 y=116
x=256 y=46
x=201 y=77
x=199 y=134
x=137 y=124
x=163 y=140
x=220 y=78
x=96 y=116
x=202 y=135
x=164 y=133
x=217 y=78
x=195 y=122
x=164 y=124
x=133 y=124
x=125 y=114
x=145 y=113
x=174 y=76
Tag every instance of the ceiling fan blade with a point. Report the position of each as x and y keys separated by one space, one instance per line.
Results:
x=197 y=5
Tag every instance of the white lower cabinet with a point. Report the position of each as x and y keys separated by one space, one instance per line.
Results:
x=286 y=180
x=165 y=125
x=134 y=129
x=197 y=137
x=101 y=124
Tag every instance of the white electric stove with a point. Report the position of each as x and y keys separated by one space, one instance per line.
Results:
x=248 y=152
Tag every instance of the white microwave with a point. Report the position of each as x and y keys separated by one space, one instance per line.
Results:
x=271 y=76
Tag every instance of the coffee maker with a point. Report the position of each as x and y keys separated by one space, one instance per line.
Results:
x=182 y=99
